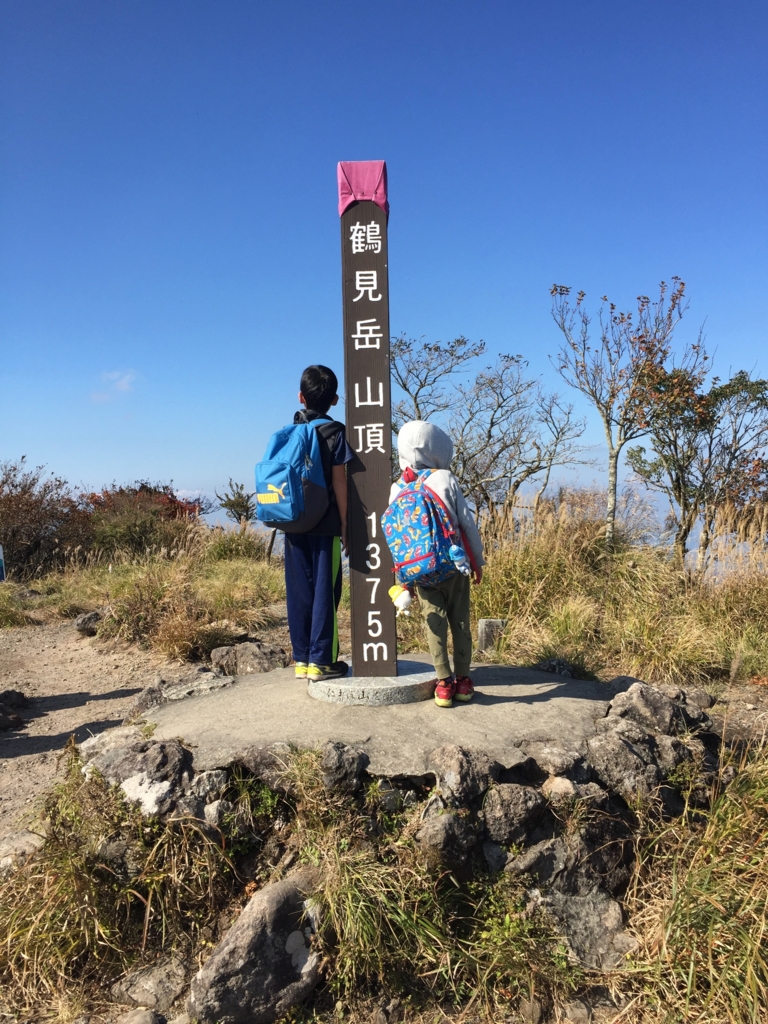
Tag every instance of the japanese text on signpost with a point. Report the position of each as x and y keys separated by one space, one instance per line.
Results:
x=366 y=356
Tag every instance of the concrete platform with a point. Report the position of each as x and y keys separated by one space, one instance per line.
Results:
x=413 y=682
x=512 y=707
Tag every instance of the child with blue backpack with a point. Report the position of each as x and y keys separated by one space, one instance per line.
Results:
x=301 y=488
x=425 y=453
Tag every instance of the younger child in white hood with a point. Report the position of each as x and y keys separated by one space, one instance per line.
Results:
x=423 y=446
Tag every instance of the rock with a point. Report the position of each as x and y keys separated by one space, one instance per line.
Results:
x=268 y=765
x=141 y=1016
x=546 y=862
x=462 y=775
x=162 y=692
x=87 y=623
x=27 y=594
x=156 y=986
x=558 y=760
x=183 y=1018
x=510 y=811
x=557 y=667
x=264 y=965
x=110 y=739
x=154 y=775
x=13 y=699
x=446 y=840
x=593 y=927
x=577 y=1012
x=216 y=811
x=9 y=719
x=121 y=858
x=342 y=767
x=623 y=766
x=696 y=695
x=388 y=797
x=533 y=1010
x=488 y=632
x=17 y=848
x=647 y=707
x=246 y=658
x=671 y=752
x=558 y=790
x=495 y=855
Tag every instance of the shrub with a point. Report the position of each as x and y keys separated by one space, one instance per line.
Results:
x=41 y=519
x=228 y=544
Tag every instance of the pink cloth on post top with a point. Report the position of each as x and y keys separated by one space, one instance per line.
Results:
x=362 y=179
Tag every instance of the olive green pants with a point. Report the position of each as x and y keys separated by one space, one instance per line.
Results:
x=442 y=606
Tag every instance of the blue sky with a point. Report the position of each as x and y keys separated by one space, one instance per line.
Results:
x=169 y=240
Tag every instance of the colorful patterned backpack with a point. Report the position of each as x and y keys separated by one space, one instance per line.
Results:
x=419 y=533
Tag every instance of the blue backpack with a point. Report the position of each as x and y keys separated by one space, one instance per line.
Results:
x=291 y=487
x=419 y=533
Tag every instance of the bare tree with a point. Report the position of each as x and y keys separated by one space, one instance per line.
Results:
x=616 y=371
x=421 y=369
x=507 y=430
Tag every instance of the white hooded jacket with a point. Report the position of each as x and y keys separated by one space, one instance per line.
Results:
x=422 y=445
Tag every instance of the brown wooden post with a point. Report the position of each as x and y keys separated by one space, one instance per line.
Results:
x=365 y=287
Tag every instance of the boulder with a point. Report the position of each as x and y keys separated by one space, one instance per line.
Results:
x=205 y=789
x=343 y=767
x=646 y=706
x=554 y=760
x=246 y=658
x=446 y=840
x=154 y=775
x=510 y=811
x=462 y=775
x=623 y=763
x=593 y=927
x=268 y=765
x=264 y=965
x=156 y=986
x=87 y=623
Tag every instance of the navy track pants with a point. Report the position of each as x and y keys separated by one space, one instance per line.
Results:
x=313 y=592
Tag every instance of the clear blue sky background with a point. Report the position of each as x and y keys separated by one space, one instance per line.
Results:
x=169 y=250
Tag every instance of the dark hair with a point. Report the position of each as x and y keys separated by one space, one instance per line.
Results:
x=319 y=386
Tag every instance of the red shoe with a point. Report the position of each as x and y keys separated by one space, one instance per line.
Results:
x=465 y=689
x=444 y=692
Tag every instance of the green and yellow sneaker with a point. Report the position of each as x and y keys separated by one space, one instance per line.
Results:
x=317 y=673
x=301 y=669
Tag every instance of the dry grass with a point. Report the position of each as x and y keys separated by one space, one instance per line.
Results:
x=389 y=924
x=633 y=612
x=182 y=602
x=73 y=919
x=699 y=908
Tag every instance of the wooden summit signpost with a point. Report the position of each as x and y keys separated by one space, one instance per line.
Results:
x=364 y=210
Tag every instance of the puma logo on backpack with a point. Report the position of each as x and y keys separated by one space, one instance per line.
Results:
x=291 y=489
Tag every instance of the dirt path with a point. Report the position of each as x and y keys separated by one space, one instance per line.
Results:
x=75 y=685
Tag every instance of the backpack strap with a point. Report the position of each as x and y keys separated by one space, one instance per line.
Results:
x=328 y=430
